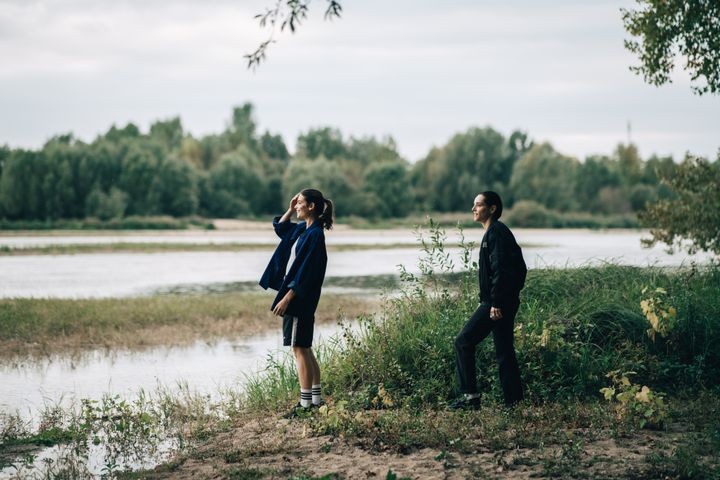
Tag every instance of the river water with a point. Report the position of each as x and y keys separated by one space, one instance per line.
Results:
x=129 y=274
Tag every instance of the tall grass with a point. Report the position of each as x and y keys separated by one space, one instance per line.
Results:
x=573 y=327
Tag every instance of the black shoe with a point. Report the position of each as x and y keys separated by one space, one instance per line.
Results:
x=463 y=403
x=298 y=411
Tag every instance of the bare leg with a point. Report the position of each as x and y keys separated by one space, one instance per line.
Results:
x=304 y=360
x=315 y=369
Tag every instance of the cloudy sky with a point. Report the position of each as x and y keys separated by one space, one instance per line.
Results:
x=418 y=70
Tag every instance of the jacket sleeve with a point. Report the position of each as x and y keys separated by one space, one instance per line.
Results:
x=499 y=268
x=284 y=229
x=274 y=273
x=311 y=269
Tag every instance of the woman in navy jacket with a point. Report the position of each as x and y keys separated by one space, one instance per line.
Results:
x=299 y=289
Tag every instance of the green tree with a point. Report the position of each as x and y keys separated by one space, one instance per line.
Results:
x=174 y=189
x=274 y=147
x=21 y=185
x=368 y=150
x=129 y=131
x=594 y=174
x=106 y=206
x=168 y=132
x=389 y=184
x=547 y=177
x=232 y=187
x=323 y=175
x=666 y=30
x=630 y=165
x=321 y=142
x=694 y=211
x=241 y=130
x=479 y=159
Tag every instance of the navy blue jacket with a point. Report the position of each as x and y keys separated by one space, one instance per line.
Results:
x=502 y=269
x=307 y=271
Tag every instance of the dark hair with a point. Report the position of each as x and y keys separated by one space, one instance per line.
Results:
x=323 y=210
x=492 y=198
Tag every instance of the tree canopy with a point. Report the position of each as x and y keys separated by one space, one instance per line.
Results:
x=666 y=31
x=693 y=211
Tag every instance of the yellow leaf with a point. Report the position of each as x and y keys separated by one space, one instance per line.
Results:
x=645 y=305
x=608 y=393
x=660 y=290
x=643 y=395
x=625 y=382
x=653 y=319
x=672 y=312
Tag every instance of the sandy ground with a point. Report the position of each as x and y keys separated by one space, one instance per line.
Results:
x=279 y=449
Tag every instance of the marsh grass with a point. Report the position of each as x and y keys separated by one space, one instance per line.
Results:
x=43 y=326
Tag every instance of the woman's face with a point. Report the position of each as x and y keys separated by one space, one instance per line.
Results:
x=302 y=208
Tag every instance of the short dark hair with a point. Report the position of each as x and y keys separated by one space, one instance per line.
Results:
x=492 y=198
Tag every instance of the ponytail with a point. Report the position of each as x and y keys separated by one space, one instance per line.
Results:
x=324 y=210
x=327 y=217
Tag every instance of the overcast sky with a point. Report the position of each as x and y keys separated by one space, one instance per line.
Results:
x=418 y=70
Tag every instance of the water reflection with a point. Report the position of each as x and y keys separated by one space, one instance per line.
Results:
x=206 y=367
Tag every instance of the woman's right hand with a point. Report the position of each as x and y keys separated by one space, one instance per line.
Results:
x=293 y=202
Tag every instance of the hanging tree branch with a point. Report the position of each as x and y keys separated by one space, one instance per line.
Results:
x=288 y=14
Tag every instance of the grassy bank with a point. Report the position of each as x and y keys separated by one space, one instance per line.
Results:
x=42 y=326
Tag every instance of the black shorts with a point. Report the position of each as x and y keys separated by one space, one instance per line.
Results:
x=298 y=332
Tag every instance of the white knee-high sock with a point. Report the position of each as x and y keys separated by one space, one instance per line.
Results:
x=316 y=394
x=305 y=397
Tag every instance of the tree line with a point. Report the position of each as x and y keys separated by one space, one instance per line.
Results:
x=241 y=173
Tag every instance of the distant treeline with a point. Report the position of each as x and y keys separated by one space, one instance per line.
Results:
x=240 y=173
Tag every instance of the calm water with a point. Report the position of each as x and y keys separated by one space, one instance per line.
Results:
x=206 y=367
x=128 y=274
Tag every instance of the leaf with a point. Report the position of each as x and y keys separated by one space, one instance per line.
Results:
x=643 y=395
x=608 y=393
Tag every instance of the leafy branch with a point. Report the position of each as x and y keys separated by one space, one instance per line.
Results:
x=288 y=14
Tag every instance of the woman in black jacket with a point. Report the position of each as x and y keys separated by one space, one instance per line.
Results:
x=501 y=275
x=299 y=289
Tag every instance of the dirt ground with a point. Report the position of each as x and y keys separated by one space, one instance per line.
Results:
x=273 y=448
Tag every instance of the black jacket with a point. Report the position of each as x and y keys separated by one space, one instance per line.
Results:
x=307 y=271
x=501 y=268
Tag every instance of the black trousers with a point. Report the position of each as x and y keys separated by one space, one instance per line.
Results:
x=475 y=330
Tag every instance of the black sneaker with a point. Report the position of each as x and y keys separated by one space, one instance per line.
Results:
x=298 y=411
x=463 y=403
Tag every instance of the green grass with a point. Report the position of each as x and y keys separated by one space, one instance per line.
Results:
x=573 y=328
x=29 y=325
